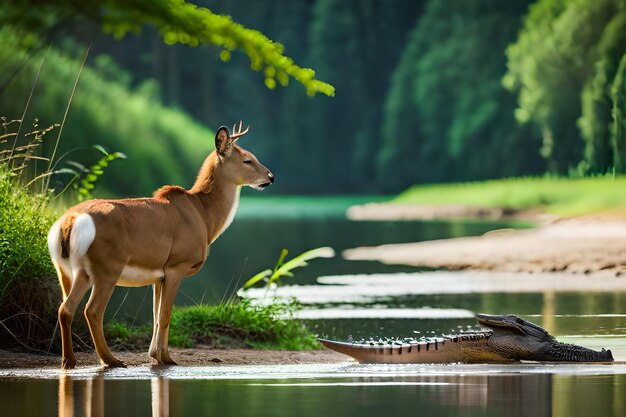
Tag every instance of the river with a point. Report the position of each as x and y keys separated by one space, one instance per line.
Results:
x=352 y=300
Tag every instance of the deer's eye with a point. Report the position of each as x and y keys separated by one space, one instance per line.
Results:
x=247 y=161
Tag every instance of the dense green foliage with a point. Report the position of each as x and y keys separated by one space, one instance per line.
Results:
x=427 y=91
x=447 y=116
x=564 y=66
x=354 y=45
x=163 y=146
x=270 y=327
x=24 y=224
x=560 y=196
x=29 y=293
x=177 y=22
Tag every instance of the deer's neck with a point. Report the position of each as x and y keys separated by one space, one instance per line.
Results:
x=219 y=198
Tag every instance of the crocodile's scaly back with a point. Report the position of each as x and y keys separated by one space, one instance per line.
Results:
x=467 y=348
x=510 y=339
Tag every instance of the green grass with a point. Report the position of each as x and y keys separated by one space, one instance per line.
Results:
x=24 y=224
x=29 y=293
x=559 y=196
x=233 y=324
x=266 y=327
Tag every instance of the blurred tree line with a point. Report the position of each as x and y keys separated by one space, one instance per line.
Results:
x=426 y=90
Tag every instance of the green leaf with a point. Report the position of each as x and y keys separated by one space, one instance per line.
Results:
x=281 y=259
x=258 y=277
x=300 y=260
x=101 y=149
x=87 y=185
x=66 y=171
x=79 y=166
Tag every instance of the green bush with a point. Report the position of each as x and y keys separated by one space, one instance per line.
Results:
x=237 y=322
x=24 y=224
x=29 y=293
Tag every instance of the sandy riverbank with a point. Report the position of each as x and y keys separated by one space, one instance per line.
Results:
x=588 y=244
x=198 y=356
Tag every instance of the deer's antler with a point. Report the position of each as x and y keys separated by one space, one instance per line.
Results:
x=237 y=133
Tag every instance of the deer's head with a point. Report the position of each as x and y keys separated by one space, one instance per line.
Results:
x=237 y=164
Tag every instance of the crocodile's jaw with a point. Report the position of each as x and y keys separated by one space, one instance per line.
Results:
x=518 y=339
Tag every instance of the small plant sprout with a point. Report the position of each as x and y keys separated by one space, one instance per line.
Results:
x=83 y=179
x=283 y=269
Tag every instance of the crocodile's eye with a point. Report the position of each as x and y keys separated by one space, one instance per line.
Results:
x=247 y=161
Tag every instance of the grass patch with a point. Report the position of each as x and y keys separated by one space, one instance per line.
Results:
x=559 y=196
x=29 y=294
x=266 y=327
x=233 y=324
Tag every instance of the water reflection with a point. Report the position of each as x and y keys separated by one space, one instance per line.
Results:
x=372 y=393
x=85 y=397
x=160 y=391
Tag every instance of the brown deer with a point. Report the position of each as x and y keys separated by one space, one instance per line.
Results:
x=133 y=242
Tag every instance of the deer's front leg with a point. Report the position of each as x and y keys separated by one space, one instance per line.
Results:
x=156 y=305
x=168 y=295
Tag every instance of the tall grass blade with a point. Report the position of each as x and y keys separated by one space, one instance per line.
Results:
x=67 y=110
x=32 y=90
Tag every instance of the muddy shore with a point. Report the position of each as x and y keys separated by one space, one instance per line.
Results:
x=199 y=356
x=591 y=244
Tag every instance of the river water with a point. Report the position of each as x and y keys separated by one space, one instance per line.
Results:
x=352 y=300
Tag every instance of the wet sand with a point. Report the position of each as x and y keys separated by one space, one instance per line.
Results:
x=199 y=356
x=594 y=244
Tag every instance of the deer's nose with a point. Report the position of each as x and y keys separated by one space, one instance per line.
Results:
x=270 y=176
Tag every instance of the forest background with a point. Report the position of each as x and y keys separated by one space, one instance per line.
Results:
x=426 y=91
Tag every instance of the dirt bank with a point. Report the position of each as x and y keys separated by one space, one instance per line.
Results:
x=191 y=357
x=589 y=244
x=394 y=211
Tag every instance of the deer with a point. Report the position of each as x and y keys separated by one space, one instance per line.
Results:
x=158 y=241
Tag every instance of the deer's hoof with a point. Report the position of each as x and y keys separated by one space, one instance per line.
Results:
x=68 y=363
x=115 y=364
x=166 y=360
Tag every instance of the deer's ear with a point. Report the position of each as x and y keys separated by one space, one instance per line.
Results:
x=223 y=144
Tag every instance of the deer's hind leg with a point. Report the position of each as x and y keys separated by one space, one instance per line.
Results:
x=94 y=313
x=66 y=316
x=64 y=279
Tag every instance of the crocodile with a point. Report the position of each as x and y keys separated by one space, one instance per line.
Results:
x=510 y=339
